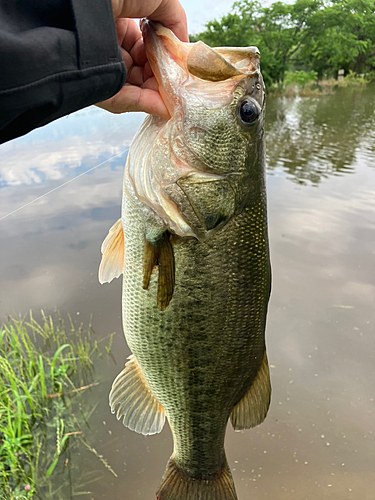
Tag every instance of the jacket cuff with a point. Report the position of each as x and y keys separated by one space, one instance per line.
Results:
x=69 y=68
x=95 y=47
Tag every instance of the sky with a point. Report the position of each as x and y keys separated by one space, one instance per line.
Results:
x=200 y=11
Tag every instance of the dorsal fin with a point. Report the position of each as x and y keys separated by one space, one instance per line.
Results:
x=112 y=263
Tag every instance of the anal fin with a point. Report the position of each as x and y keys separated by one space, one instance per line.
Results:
x=132 y=400
x=160 y=254
x=252 y=409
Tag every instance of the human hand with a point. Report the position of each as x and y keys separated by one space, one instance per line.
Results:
x=140 y=92
x=168 y=12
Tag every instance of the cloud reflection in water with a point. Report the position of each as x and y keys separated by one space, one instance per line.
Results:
x=66 y=147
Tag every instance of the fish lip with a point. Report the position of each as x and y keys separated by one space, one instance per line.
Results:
x=167 y=56
x=146 y=25
x=151 y=28
x=181 y=68
x=152 y=48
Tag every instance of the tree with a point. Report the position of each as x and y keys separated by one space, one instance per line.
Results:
x=278 y=31
x=318 y=35
x=347 y=40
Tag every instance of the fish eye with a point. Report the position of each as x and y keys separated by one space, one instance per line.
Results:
x=248 y=112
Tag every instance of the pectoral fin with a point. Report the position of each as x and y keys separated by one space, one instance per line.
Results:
x=132 y=400
x=160 y=254
x=252 y=409
x=212 y=198
x=111 y=265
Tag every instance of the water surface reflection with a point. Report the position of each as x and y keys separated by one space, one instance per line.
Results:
x=313 y=138
x=318 y=439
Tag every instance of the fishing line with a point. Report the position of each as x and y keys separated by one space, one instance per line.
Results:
x=62 y=185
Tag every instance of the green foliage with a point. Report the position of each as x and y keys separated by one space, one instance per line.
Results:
x=310 y=35
x=300 y=78
x=353 y=80
x=45 y=372
x=347 y=40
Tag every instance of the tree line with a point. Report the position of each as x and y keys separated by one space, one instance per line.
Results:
x=311 y=35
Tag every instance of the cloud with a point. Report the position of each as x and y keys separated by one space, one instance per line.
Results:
x=53 y=152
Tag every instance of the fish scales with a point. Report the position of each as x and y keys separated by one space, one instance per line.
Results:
x=192 y=245
x=212 y=328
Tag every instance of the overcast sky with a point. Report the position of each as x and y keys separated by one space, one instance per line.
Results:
x=200 y=11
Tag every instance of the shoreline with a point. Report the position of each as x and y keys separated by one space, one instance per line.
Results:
x=322 y=87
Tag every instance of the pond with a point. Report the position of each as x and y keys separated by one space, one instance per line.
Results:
x=318 y=438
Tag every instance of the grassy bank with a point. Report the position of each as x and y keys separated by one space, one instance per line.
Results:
x=46 y=369
x=305 y=84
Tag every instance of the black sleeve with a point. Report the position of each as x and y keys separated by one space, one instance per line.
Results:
x=56 y=56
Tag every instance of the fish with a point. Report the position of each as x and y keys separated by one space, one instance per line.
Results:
x=192 y=245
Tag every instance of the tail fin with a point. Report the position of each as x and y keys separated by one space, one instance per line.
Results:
x=176 y=485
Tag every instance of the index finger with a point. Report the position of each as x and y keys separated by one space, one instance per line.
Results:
x=171 y=14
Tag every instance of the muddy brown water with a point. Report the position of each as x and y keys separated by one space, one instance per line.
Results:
x=318 y=438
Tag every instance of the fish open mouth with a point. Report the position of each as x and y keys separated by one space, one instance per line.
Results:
x=174 y=165
x=177 y=64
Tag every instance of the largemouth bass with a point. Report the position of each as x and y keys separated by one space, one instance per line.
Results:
x=193 y=249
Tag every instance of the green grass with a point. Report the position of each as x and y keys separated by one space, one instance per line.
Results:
x=45 y=370
x=304 y=84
